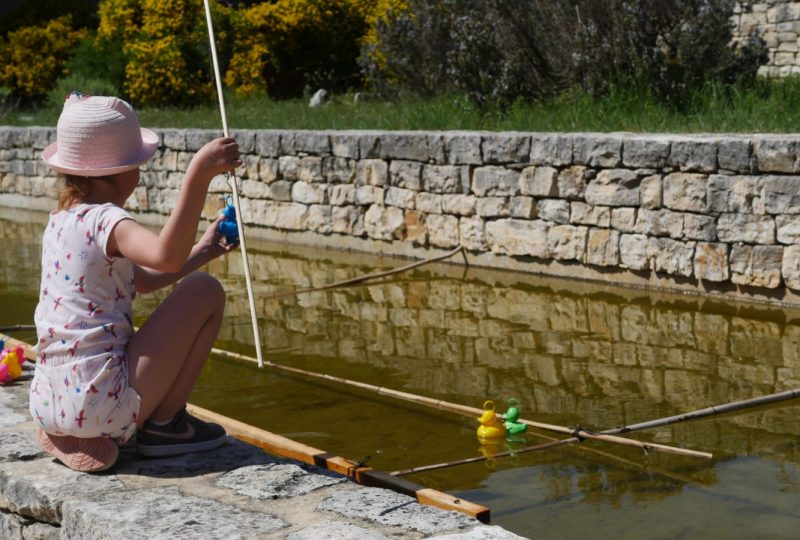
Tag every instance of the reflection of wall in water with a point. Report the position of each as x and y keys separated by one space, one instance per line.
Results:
x=598 y=358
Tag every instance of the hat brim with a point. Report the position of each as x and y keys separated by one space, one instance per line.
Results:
x=149 y=146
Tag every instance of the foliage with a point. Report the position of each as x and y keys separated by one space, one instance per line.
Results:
x=34 y=57
x=288 y=47
x=16 y=14
x=165 y=48
x=499 y=51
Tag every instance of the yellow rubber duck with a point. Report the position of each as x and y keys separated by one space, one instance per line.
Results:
x=490 y=427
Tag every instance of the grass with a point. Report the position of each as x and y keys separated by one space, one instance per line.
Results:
x=768 y=107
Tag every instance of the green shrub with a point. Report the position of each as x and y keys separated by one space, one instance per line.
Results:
x=34 y=57
x=499 y=51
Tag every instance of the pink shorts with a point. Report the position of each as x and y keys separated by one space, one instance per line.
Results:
x=89 y=397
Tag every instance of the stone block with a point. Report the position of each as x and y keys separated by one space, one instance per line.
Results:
x=462 y=148
x=506 y=148
x=781 y=194
x=411 y=146
x=735 y=155
x=572 y=182
x=471 y=233
x=539 y=181
x=320 y=218
x=686 y=192
x=246 y=139
x=699 y=227
x=735 y=194
x=493 y=207
x=367 y=195
x=623 y=219
x=430 y=203
x=372 y=172
x=306 y=193
x=756 y=266
x=551 y=149
x=584 y=214
x=522 y=207
x=672 y=256
x=442 y=230
x=711 y=262
x=389 y=508
x=649 y=152
x=555 y=210
x=749 y=228
x=344 y=144
x=401 y=198
x=268 y=144
x=384 y=222
x=597 y=150
x=567 y=242
x=441 y=179
x=650 y=195
x=602 y=247
x=338 y=170
x=347 y=220
x=788 y=229
x=633 y=250
x=312 y=142
x=161 y=513
x=459 y=205
x=517 y=237
x=659 y=223
x=495 y=182
x=405 y=174
x=776 y=154
x=693 y=155
x=614 y=187
x=790 y=268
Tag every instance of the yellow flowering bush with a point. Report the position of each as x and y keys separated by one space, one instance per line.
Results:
x=34 y=57
x=288 y=46
x=165 y=46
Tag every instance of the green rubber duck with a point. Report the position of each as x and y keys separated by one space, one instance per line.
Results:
x=511 y=418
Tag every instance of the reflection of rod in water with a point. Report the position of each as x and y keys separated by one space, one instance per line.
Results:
x=361 y=279
x=17 y=328
x=470 y=411
x=700 y=413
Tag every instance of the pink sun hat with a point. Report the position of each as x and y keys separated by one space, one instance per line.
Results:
x=99 y=136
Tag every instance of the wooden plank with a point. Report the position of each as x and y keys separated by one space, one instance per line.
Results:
x=281 y=446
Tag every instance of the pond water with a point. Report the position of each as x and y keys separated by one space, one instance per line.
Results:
x=572 y=353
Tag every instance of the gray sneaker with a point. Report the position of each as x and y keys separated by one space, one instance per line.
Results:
x=184 y=434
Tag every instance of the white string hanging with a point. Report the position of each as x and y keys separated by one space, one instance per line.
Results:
x=234 y=189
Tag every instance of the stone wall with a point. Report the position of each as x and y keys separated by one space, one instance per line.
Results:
x=778 y=22
x=718 y=214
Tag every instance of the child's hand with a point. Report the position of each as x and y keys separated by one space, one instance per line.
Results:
x=217 y=157
x=213 y=244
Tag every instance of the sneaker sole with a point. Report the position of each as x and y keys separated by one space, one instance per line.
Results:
x=83 y=455
x=167 y=450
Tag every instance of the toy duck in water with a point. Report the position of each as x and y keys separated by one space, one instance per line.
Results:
x=511 y=418
x=490 y=427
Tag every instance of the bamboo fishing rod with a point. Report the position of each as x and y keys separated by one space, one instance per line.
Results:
x=668 y=420
x=469 y=411
x=234 y=189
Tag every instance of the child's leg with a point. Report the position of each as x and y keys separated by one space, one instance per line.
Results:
x=165 y=356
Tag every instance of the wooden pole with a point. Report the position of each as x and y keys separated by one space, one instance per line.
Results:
x=377 y=275
x=693 y=415
x=234 y=190
x=470 y=411
x=278 y=445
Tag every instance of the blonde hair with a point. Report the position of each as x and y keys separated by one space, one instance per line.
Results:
x=75 y=189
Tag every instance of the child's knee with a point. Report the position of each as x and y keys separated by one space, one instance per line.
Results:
x=207 y=286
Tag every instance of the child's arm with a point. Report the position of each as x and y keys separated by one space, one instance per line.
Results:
x=169 y=250
x=208 y=248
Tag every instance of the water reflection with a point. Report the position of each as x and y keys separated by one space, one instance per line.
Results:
x=572 y=353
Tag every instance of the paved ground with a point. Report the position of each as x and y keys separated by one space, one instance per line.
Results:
x=236 y=491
